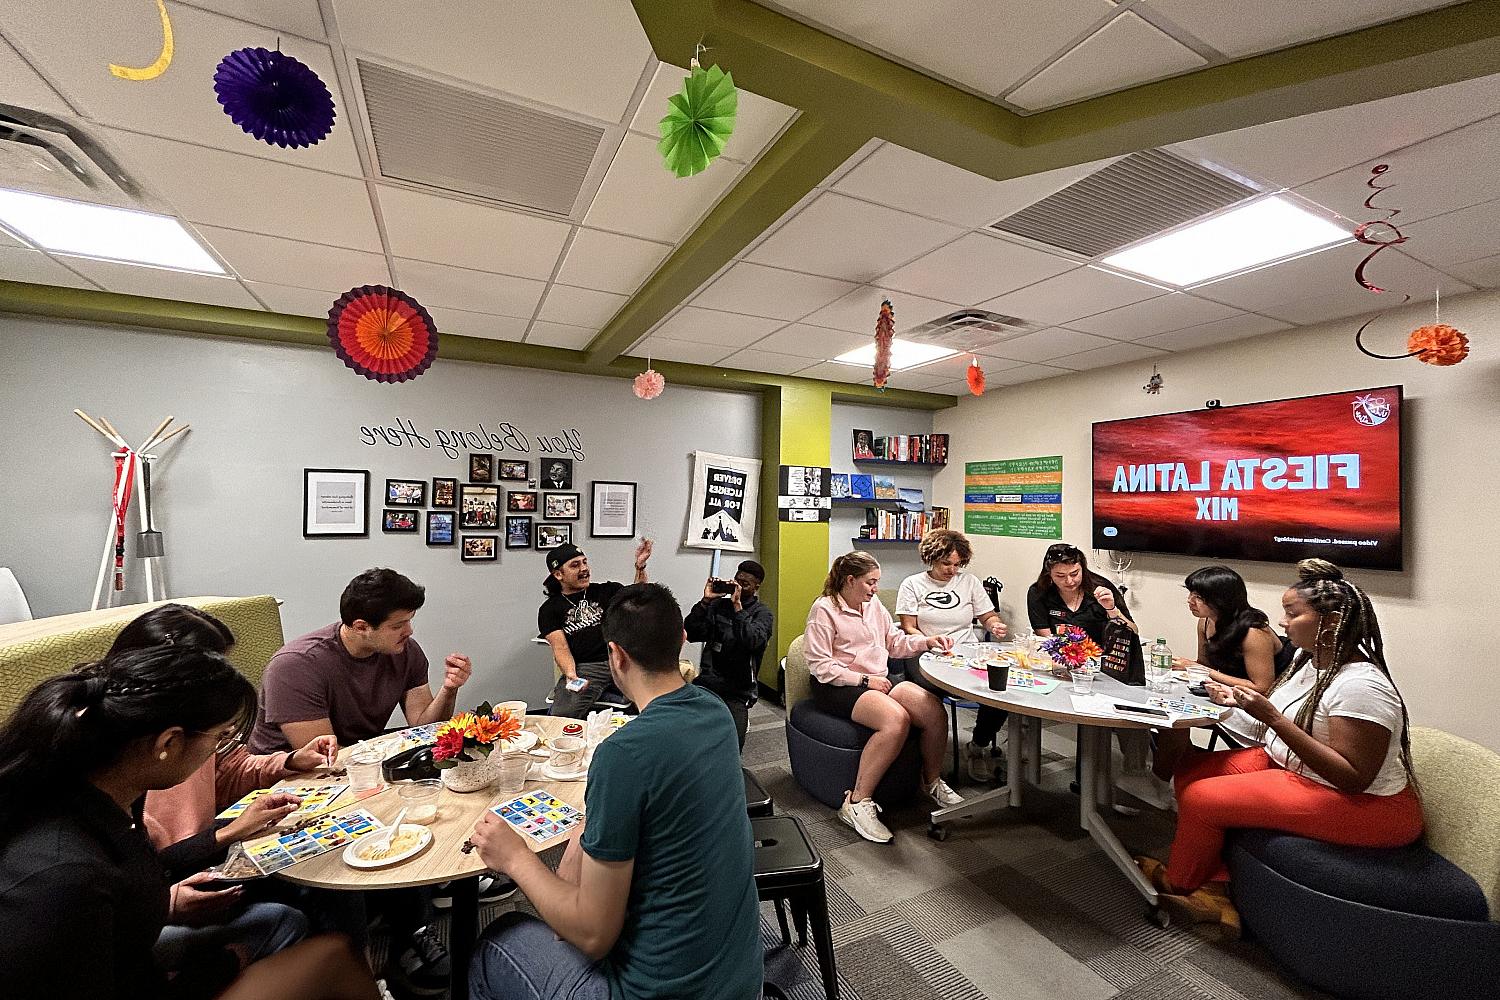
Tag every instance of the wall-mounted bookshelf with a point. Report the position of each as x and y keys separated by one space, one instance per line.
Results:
x=900 y=449
x=891 y=461
x=886 y=541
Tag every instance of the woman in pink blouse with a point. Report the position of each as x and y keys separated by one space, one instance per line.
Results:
x=849 y=637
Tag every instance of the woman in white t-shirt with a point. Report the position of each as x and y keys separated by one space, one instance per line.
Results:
x=1335 y=760
x=945 y=600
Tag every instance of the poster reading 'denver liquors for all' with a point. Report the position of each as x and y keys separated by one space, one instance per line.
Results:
x=1016 y=497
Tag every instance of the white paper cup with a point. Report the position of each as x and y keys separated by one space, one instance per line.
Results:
x=517 y=708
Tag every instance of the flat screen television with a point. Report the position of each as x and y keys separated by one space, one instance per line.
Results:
x=1277 y=481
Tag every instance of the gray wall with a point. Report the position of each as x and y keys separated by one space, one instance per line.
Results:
x=896 y=561
x=228 y=494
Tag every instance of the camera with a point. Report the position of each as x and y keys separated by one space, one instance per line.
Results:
x=1212 y=404
x=722 y=586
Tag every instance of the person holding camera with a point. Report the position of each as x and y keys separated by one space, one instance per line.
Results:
x=735 y=629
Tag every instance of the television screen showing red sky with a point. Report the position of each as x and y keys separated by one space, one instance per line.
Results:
x=1277 y=481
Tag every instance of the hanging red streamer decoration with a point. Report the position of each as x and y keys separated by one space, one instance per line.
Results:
x=975 y=376
x=649 y=384
x=885 y=332
x=383 y=334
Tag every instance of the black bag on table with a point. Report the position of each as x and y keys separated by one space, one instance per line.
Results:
x=1122 y=657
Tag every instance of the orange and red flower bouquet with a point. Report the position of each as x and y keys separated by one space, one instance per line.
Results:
x=469 y=736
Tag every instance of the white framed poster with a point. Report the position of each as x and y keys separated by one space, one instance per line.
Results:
x=335 y=503
x=723 y=504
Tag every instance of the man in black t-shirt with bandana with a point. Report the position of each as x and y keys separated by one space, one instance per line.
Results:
x=571 y=621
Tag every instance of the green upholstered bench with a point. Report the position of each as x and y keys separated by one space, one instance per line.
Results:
x=32 y=651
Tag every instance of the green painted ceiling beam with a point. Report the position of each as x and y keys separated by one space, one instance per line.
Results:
x=193 y=318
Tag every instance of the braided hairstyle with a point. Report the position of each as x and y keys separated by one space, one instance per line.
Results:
x=75 y=724
x=1352 y=637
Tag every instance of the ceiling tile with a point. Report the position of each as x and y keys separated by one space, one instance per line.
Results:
x=130 y=279
x=660 y=348
x=757 y=119
x=293 y=301
x=1297 y=150
x=1484 y=273
x=1043 y=345
x=857 y=311
x=1114 y=354
x=709 y=326
x=481 y=325
x=957 y=367
x=831 y=371
x=299 y=17
x=289 y=262
x=957 y=39
x=1125 y=52
x=580 y=306
x=73 y=43
x=585 y=57
x=24 y=86
x=756 y=290
x=609 y=262
x=1157 y=315
x=1238 y=29
x=1080 y=292
x=1026 y=373
x=574 y=338
x=641 y=198
x=974 y=268
x=17 y=263
x=1439 y=175
x=249 y=193
x=843 y=238
x=7 y=241
x=425 y=227
x=1454 y=238
x=918 y=380
x=1218 y=332
x=476 y=291
x=766 y=361
x=814 y=342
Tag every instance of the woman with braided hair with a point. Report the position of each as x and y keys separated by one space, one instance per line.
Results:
x=1334 y=762
x=83 y=895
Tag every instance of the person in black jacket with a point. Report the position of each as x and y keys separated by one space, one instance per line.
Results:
x=735 y=629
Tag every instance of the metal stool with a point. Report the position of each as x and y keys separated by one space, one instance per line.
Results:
x=757 y=799
x=788 y=867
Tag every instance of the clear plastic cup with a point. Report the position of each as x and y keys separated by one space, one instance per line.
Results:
x=364 y=769
x=420 y=798
x=1083 y=680
x=510 y=772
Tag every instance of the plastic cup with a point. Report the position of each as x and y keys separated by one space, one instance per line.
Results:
x=510 y=772
x=420 y=799
x=1197 y=674
x=1083 y=680
x=364 y=769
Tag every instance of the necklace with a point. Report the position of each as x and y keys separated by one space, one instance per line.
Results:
x=582 y=595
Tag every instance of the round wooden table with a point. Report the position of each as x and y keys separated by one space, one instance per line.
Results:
x=443 y=860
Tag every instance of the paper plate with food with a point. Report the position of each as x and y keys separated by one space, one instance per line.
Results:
x=378 y=850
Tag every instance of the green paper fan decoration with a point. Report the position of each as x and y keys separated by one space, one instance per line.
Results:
x=700 y=121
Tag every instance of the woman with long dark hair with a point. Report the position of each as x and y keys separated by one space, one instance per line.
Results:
x=1334 y=760
x=1235 y=640
x=1067 y=592
x=83 y=895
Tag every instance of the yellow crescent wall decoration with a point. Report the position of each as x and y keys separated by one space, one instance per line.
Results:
x=164 y=60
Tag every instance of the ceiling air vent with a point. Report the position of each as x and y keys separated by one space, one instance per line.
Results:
x=1135 y=197
x=970 y=330
x=457 y=140
x=44 y=155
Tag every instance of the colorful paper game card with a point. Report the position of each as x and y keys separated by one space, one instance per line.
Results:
x=272 y=854
x=314 y=797
x=538 y=816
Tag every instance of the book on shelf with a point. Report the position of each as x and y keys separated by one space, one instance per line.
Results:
x=921 y=449
x=895 y=525
x=839 y=486
x=939 y=517
x=885 y=488
x=861 y=486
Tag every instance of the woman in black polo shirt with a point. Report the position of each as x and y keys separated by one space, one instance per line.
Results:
x=83 y=895
x=1069 y=593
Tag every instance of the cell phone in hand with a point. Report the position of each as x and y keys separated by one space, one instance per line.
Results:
x=577 y=684
x=722 y=586
x=1155 y=713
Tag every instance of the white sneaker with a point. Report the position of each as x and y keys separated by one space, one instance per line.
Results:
x=862 y=817
x=385 y=993
x=981 y=764
x=944 y=796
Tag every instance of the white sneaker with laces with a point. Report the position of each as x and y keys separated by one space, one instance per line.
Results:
x=944 y=796
x=862 y=817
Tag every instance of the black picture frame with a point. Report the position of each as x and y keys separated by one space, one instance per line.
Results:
x=481 y=467
x=406 y=493
x=561 y=506
x=400 y=521
x=550 y=536
x=475 y=549
x=607 y=517
x=553 y=473
x=517 y=531
x=436 y=532
x=444 y=492
x=335 y=503
x=514 y=470
x=478 y=506
x=517 y=502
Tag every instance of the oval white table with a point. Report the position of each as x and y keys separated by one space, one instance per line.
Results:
x=1097 y=784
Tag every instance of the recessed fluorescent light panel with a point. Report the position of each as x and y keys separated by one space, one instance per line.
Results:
x=904 y=355
x=104 y=232
x=1261 y=232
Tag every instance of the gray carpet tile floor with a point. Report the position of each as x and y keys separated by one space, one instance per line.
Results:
x=1019 y=904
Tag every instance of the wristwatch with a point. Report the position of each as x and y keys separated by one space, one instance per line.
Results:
x=864 y=680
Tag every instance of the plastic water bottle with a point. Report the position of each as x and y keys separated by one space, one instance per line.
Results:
x=1159 y=667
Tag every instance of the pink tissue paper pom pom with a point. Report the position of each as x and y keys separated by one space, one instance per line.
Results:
x=649 y=384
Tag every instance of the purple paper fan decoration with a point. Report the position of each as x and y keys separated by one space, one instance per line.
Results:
x=274 y=97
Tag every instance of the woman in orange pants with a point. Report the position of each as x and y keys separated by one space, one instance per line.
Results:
x=1334 y=764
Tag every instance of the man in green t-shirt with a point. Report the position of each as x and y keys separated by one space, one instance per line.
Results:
x=657 y=897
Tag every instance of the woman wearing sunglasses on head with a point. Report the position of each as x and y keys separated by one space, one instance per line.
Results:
x=1069 y=593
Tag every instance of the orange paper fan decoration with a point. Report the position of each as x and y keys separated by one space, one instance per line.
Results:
x=1438 y=344
x=975 y=375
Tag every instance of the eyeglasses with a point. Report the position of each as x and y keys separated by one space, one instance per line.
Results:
x=226 y=741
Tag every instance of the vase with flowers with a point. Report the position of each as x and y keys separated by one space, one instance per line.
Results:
x=465 y=743
x=1071 y=649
